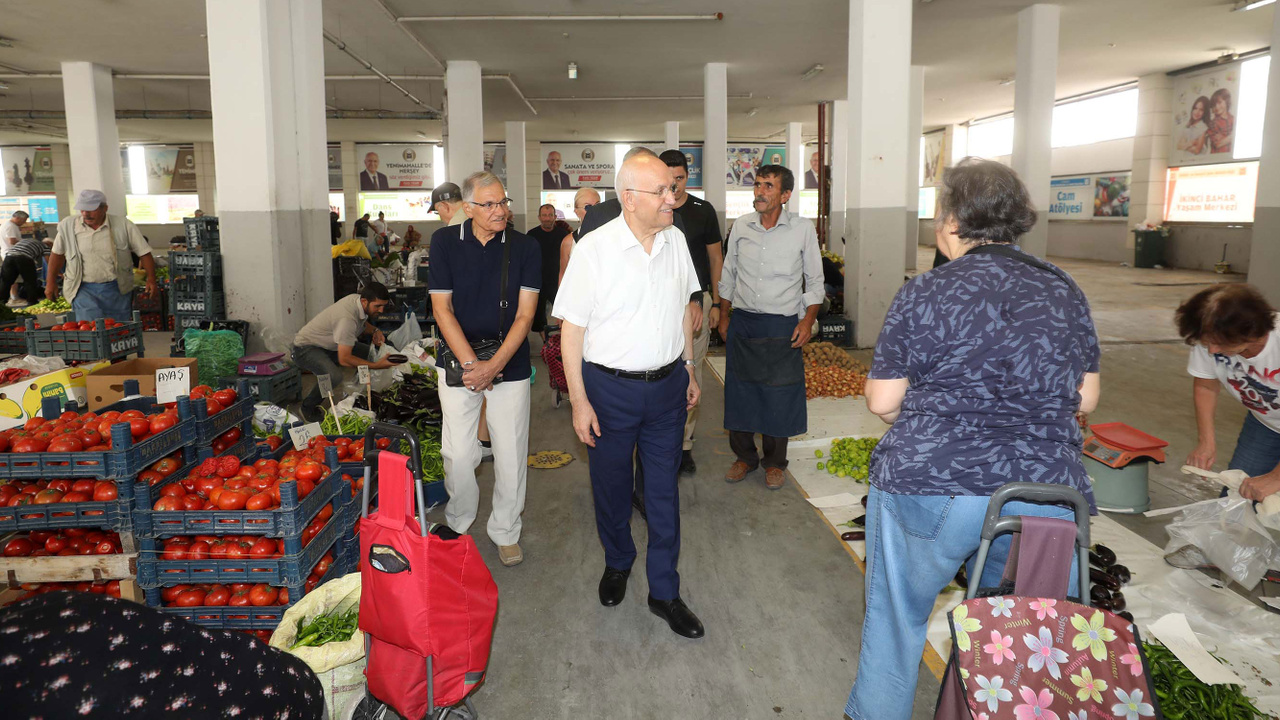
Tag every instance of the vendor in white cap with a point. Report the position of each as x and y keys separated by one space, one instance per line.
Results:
x=94 y=248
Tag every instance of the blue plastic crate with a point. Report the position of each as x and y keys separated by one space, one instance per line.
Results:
x=112 y=514
x=195 y=264
x=13 y=342
x=290 y=569
x=288 y=521
x=101 y=343
x=209 y=428
x=280 y=389
x=141 y=493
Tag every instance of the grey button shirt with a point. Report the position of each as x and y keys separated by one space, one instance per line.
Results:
x=776 y=271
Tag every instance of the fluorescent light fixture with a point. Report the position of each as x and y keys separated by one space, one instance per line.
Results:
x=817 y=69
x=6 y=42
x=1007 y=81
x=1251 y=5
x=752 y=112
x=137 y=170
x=440 y=171
x=3 y=86
x=573 y=71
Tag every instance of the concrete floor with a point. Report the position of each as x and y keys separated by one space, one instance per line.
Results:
x=780 y=598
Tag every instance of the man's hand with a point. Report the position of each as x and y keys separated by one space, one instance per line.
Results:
x=1260 y=487
x=378 y=338
x=51 y=290
x=802 y=333
x=585 y=424
x=723 y=326
x=695 y=309
x=152 y=289
x=714 y=317
x=479 y=375
x=1203 y=456
x=694 y=393
x=382 y=364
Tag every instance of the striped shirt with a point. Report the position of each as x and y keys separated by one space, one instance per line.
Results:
x=28 y=247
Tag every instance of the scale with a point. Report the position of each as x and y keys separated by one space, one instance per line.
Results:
x=1117 y=458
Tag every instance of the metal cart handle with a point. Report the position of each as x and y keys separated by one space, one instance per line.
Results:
x=995 y=524
x=371 y=453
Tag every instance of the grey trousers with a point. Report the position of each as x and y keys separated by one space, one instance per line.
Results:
x=319 y=361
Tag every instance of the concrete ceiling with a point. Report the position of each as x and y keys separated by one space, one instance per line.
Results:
x=967 y=46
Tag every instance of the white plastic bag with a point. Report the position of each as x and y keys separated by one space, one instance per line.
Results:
x=1228 y=533
x=338 y=665
x=271 y=419
x=411 y=268
x=408 y=332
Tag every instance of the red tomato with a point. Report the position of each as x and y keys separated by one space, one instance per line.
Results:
x=34 y=423
x=104 y=490
x=75 y=497
x=237 y=482
x=322 y=567
x=55 y=544
x=200 y=391
x=167 y=503
x=192 y=502
x=226 y=397
x=263 y=548
x=162 y=422
x=139 y=427
x=262 y=595
x=260 y=501
x=131 y=414
x=217 y=595
x=239 y=598
x=18 y=547
x=174 y=552
x=47 y=497
x=90 y=436
x=170 y=594
x=66 y=443
x=150 y=477
x=84 y=486
x=106 y=547
x=198 y=551
x=237 y=551
x=30 y=445
x=213 y=406
x=61 y=485
x=174 y=489
x=304 y=488
x=190 y=598
x=167 y=466
x=233 y=500
x=384 y=443
x=4 y=443
x=274 y=442
x=309 y=471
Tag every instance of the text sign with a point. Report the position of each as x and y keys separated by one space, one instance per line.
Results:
x=302 y=434
x=362 y=373
x=325 y=384
x=171 y=383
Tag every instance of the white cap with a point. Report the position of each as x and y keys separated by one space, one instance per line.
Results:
x=90 y=200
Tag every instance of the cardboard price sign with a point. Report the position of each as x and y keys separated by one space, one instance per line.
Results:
x=302 y=434
x=326 y=385
x=362 y=374
x=172 y=383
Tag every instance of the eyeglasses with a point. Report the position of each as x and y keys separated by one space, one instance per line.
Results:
x=586 y=207
x=660 y=192
x=489 y=207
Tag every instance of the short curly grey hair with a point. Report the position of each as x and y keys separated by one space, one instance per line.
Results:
x=478 y=180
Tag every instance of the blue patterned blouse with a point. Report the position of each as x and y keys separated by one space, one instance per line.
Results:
x=995 y=351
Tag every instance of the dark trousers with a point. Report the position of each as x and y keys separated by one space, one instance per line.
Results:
x=319 y=361
x=648 y=417
x=16 y=266
x=743 y=445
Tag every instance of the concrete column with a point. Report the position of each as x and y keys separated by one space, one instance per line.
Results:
x=464 y=146
x=1264 y=248
x=91 y=131
x=915 y=119
x=1033 y=95
x=516 y=178
x=715 y=139
x=205 y=177
x=350 y=188
x=879 y=78
x=796 y=163
x=533 y=178
x=839 y=162
x=672 y=129
x=272 y=172
x=61 y=157
x=1150 y=152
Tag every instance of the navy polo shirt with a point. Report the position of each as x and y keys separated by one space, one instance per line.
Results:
x=472 y=272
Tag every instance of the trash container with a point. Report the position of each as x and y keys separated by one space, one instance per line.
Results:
x=1148 y=248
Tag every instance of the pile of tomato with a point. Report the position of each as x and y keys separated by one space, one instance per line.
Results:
x=19 y=328
x=48 y=492
x=72 y=432
x=64 y=542
x=223 y=483
x=101 y=587
x=240 y=594
x=216 y=400
x=237 y=547
x=84 y=325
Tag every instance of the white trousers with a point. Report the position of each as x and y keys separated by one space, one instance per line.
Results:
x=508 y=421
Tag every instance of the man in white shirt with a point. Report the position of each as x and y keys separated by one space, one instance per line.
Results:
x=10 y=235
x=627 y=343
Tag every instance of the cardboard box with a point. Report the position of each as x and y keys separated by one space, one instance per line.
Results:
x=106 y=385
x=21 y=400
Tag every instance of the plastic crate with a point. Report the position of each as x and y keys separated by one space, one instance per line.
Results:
x=288 y=521
x=197 y=303
x=144 y=303
x=279 y=389
x=209 y=428
x=112 y=514
x=836 y=330
x=154 y=321
x=102 y=343
x=202 y=232
x=291 y=568
x=195 y=264
x=414 y=298
x=13 y=342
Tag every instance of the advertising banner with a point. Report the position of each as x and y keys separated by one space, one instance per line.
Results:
x=398 y=206
x=396 y=167
x=38 y=208
x=1071 y=198
x=1215 y=193
x=933 y=156
x=27 y=170
x=161 y=209
x=495 y=161
x=1204 y=116
x=565 y=167
x=811 y=169
x=334 y=153
x=168 y=168
x=693 y=156
x=1111 y=196
x=743 y=161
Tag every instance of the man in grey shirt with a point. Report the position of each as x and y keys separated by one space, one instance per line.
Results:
x=772 y=280
x=328 y=343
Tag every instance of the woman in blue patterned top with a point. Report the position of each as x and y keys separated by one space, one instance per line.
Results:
x=980 y=368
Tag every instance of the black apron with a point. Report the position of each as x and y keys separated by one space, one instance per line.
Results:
x=764 y=376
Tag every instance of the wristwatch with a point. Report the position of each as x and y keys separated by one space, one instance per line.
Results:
x=689 y=363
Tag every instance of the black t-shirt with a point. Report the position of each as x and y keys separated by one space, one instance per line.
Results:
x=362 y=228
x=549 y=242
x=701 y=228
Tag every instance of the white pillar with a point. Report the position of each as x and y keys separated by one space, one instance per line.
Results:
x=205 y=177
x=516 y=178
x=715 y=139
x=672 y=130
x=796 y=164
x=839 y=162
x=1264 y=248
x=464 y=149
x=351 y=188
x=1151 y=152
x=271 y=168
x=879 y=79
x=91 y=131
x=1033 y=94
x=915 y=120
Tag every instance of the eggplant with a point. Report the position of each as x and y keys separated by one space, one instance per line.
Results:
x=1100 y=577
x=1099 y=561
x=1121 y=573
x=860 y=521
x=864 y=500
x=1104 y=604
x=1117 y=602
x=1126 y=615
x=962 y=578
x=1106 y=557
x=1097 y=592
x=853 y=535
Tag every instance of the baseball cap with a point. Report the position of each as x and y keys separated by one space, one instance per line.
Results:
x=90 y=200
x=447 y=191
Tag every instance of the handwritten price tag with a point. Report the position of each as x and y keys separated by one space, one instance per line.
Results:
x=362 y=373
x=302 y=434
x=326 y=385
x=171 y=383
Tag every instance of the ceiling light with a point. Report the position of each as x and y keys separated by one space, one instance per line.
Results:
x=1251 y=5
x=3 y=86
x=1007 y=81
x=811 y=72
x=6 y=42
x=573 y=71
x=1227 y=57
x=752 y=112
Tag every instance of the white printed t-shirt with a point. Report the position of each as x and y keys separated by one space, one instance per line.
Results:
x=1254 y=381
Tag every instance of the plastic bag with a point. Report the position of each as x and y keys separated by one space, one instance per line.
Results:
x=271 y=419
x=408 y=332
x=338 y=665
x=217 y=352
x=348 y=405
x=1228 y=533
x=411 y=268
x=381 y=379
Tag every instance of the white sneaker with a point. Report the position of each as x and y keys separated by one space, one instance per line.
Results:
x=486 y=453
x=17 y=303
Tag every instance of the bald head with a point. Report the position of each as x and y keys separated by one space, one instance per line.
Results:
x=645 y=190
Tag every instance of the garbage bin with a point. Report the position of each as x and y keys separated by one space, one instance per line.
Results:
x=1148 y=248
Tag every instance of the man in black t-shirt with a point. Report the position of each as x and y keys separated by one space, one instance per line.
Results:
x=548 y=237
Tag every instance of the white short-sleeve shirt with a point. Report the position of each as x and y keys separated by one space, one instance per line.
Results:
x=631 y=303
x=1254 y=381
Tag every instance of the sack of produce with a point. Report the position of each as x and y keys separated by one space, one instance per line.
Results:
x=217 y=352
x=322 y=630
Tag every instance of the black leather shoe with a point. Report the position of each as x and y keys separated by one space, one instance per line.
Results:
x=613 y=586
x=678 y=616
x=638 y=503
x=687 y=465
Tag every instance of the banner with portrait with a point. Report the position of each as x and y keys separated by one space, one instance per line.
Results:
x=693 y=156
x=570 y=166
x=811 y=168
x=1204 y=116
x=27 y=170
x=743 y=161
x=933 y=157
x=396 y=167
x=495 y=160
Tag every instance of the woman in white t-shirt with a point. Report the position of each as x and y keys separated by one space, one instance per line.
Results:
x=1235 y=343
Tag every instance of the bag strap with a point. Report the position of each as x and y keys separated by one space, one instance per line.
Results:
x=502 y=289
x=1045 y=554
x=395 y=508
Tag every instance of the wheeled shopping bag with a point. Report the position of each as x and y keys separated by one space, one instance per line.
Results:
x=427 y=600
x=1024 y=650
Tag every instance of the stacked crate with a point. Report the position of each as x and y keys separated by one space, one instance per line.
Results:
x=195 y=279
x=97 y=343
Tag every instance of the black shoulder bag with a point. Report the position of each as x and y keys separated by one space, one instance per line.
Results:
x=484 y=349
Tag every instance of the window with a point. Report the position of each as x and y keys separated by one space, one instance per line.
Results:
x=1096 y=119
x=928 y=203
x=1251 y=108
x=991 y=139
x=338 y=204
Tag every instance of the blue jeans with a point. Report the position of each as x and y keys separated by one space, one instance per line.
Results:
x=1257 y=448
x=102 y=300
x=915 y=545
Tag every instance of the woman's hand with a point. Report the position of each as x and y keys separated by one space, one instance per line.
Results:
x=479 y=375
x=1260 y=487
x=1203 y=456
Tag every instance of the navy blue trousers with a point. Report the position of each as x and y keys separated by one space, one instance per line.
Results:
x=647 y=417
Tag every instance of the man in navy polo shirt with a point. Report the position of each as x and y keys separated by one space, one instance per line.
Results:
x=466 y=267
